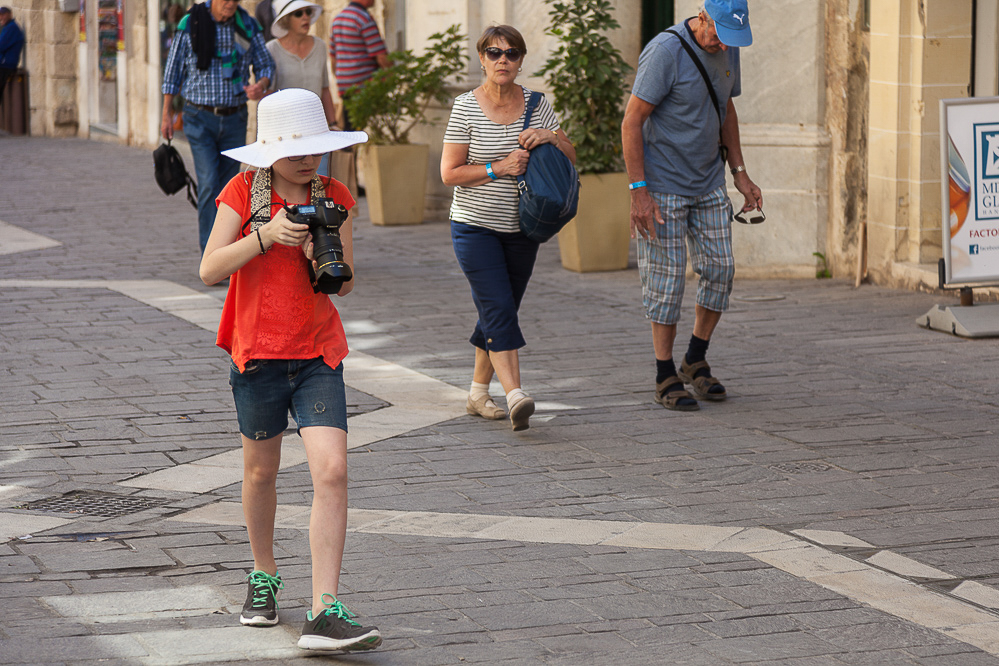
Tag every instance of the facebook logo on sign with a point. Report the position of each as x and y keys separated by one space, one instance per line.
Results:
x=972 y=249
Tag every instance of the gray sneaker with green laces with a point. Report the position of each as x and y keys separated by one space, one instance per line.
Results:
x=260 y=608
x=336 y=629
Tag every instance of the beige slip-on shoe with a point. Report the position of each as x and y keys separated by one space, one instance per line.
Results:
x=520 y=413
x=484 y=407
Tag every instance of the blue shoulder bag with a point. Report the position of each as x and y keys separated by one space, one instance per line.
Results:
x=549 y=189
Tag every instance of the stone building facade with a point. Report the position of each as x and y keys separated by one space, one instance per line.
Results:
x=839 y=111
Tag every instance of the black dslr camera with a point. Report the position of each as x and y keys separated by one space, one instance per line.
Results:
x=324 y=217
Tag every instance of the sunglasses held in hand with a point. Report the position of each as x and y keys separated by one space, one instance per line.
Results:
x=753 y=216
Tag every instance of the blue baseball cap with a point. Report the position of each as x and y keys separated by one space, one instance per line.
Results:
x=731 y=19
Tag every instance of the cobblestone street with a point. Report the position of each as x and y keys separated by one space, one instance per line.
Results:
x=839 y=508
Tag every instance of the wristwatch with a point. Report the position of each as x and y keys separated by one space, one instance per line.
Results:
x=738 y=169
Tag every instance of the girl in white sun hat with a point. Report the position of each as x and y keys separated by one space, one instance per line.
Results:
x=287 y=346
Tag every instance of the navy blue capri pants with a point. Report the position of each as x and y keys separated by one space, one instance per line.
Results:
x=498 y=267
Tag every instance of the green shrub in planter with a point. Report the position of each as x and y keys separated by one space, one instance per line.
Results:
x=588 y=78
x=389 y=104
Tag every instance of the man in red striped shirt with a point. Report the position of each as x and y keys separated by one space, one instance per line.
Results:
x=356 y=48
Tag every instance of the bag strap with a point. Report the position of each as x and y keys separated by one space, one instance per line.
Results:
x=700 y=68
x=190 y=194
x=707 y=81
x=188 y=181
x=532 y=103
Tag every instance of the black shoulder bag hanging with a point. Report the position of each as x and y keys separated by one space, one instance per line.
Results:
x=171 y=174
x=722 y=148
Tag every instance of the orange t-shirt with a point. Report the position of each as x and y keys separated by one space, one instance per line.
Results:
x=270 y=311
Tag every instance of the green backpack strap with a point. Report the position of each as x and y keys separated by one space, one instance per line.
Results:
x=246 y=25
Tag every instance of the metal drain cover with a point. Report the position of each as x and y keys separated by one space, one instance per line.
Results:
x=89 y=503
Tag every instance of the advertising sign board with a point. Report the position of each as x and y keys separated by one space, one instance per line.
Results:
x=969 y=152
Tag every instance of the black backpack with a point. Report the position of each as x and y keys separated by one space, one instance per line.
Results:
x=171 y=174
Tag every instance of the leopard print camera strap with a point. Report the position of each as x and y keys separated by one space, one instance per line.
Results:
x=260 y=197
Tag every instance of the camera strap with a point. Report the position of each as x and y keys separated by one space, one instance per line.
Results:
x=260 y=197
x=722 y=148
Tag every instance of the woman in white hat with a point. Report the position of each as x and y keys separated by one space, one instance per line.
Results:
x=287 y=346
x=300 y=58
x=300 y=61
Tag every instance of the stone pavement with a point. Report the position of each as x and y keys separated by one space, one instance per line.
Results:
x=839 y=508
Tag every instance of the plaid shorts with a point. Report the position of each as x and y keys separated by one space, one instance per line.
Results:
x=706 y=224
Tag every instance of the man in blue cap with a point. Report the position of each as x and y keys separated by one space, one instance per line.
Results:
x=678 y=126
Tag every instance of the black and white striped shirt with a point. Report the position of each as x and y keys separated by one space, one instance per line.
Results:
x=494 y=204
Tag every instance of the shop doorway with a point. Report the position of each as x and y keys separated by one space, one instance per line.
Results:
x=103 y=34
x=657 y=15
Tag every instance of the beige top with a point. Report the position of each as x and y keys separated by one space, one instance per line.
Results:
x=290 y=71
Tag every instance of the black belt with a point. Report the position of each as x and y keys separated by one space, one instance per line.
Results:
x=218 y=110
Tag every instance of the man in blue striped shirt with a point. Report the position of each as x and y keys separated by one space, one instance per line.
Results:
x=209 y=64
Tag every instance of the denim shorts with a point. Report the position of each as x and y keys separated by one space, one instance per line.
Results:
x=268 y=389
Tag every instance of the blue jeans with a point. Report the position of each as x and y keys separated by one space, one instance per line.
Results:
x=268 y=389
x=498 y=267
x=208 y=136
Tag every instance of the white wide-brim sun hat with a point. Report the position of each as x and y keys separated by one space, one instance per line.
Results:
x=283 y=8
x=291 y=122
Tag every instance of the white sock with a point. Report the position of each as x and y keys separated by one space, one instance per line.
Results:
x=478 y=390
x=515 y=396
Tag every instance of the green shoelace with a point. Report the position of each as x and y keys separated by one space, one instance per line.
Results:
x=263 y=584
x=334 y=607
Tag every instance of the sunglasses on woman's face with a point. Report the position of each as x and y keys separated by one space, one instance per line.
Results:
x=493 y=53
x=299 y=13
x=299 y=158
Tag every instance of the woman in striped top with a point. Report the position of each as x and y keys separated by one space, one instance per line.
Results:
x=485 y=149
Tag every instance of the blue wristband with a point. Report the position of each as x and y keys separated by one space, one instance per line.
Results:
x=489 y=172
x=635 y=186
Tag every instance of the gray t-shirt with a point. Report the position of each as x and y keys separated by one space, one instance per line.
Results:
x=290 y=71
x=681 y=134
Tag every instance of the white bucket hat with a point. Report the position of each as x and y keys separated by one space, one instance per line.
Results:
x=292 y=122
x=283 y=8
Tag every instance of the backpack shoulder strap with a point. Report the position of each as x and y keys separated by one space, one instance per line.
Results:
x=246 y=24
